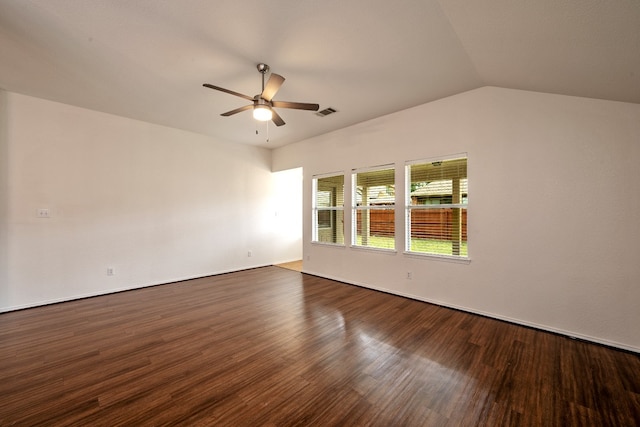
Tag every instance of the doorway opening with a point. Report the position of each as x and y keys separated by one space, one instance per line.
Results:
x=288 y=223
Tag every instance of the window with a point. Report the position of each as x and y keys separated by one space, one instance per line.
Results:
x=436 y=201
x=328 y=209
x=373 y=223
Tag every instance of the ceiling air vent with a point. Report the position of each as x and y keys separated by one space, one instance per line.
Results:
x=326 y=112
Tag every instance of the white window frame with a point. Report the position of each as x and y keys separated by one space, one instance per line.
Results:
x=315 y=226
x=355 y=208
x=409 y=207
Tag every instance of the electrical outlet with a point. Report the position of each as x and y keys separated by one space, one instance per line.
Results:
x=43 y=213
x=110 y=271
x=249 y=254
x=409 y=275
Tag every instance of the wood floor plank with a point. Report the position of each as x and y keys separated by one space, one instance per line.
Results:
x=275 y=347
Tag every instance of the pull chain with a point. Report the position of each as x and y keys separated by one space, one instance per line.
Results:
x=257 y=133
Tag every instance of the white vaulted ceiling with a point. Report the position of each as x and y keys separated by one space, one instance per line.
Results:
x=148 y=59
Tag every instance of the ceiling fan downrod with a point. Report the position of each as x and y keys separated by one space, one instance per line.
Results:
x=263 y=69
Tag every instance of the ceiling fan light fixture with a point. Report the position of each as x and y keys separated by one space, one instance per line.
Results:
x=262 y=113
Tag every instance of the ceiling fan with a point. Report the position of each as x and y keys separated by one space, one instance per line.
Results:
x=263 y=103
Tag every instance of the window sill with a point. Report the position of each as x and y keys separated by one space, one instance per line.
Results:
x=336 y=245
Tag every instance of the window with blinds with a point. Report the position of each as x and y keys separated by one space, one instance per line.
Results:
x=436 y=207
x=328 y=209
x=373 y=208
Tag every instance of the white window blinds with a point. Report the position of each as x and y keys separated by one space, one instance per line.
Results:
x=373 y=208
x=436 y=207
x=328 y=209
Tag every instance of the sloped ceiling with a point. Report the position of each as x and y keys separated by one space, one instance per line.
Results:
x=148 y=59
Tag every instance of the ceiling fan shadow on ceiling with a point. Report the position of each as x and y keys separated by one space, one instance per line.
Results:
x=263 y=104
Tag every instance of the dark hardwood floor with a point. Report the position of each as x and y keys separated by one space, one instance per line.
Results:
x=275 y=347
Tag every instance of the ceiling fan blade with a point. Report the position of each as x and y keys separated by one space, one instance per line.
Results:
x=237 y=110
x=221 y=89
x=296 y=105
x=277 y=119
x=274 y=83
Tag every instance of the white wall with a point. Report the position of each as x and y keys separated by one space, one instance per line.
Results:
x=554 y=226
x=155 y=204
